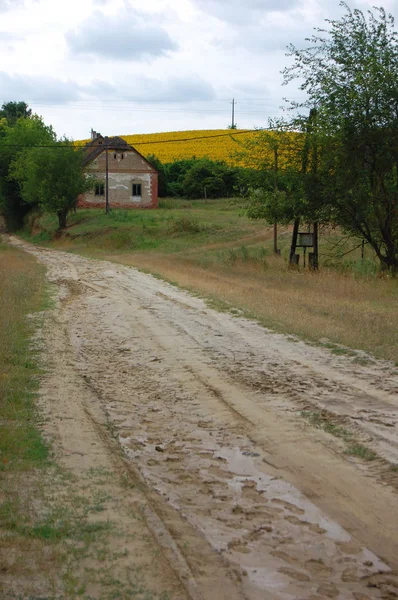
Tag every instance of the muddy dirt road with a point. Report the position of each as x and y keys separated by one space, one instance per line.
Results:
x=244 y=498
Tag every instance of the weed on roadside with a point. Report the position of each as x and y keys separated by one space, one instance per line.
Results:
x=323 y=421
x=361 y=451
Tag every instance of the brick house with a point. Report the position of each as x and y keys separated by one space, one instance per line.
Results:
x=133 y=181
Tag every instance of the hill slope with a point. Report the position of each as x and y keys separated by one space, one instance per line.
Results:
x=217 y=144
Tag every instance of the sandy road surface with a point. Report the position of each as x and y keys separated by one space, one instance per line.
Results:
x=243 y=497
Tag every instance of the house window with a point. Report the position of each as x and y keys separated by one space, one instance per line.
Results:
x=122 y=156
x=137 y=188
x=114 y=156
x=99 y=189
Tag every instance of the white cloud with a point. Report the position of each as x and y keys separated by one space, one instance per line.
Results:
x=125 y=66
x=249 y=11
x=8 y=4
x=126 y=36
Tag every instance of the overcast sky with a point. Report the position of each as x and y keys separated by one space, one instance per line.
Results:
x=141 y=66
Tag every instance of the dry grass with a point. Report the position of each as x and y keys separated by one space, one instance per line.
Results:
x=21 y=292
x=211 y=248
x=56 y=536
x=358 y=312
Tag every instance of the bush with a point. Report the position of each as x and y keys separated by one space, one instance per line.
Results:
x=185 y=225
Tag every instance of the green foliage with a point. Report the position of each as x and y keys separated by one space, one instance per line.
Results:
x=350 y=73
x=25 y=133
x=176 y=173
x=209 y=179
x=52 y=177
x=204 y=178
x=157 y=163
x=12 y=111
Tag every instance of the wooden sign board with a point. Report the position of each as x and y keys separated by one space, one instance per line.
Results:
x=305 y=240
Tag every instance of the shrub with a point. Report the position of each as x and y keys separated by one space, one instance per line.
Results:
x=185 y=224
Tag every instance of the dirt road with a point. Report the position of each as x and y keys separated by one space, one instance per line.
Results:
x=202 y=410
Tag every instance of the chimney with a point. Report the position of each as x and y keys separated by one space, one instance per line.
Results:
x=93 y=134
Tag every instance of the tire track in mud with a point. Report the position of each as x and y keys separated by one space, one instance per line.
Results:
x=157 y=360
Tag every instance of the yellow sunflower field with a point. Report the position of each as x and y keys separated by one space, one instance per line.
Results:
x=237 y=147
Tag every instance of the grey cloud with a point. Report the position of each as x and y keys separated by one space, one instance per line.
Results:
x=127 y=36
x=141 y=89
x=6 y=36
x=37 y=89
x=238 y=12
x=153 y=91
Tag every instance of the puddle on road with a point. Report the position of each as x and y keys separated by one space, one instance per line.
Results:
x=280 y=542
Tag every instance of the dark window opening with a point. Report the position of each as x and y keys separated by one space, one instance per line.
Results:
x=137 y=188
x=99 y=189
x=99 y=143
x=114 y=156
x=122 y=156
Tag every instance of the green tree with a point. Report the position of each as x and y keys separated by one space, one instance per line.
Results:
x=176 y=172
x=204 y=178
x=350 y=75
x=52 y=177
x=14 y=140
x=161 y=169
x=12 y=111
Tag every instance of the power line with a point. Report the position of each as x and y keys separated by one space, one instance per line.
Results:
x=61 y=145
x=249 y=110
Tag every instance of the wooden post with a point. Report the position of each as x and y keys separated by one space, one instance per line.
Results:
x=106 y=176
x=363 y=250
x=294 y=241
x=315 y=265
x=276 y=238
x=276 y=189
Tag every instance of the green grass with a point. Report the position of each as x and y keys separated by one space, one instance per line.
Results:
x=210 y=248
x=167 y=230
x=57 y=537
x=361 y=451
x=322 y=420
x=22 y=292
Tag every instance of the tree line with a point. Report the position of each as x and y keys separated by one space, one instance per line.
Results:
x=194 y=178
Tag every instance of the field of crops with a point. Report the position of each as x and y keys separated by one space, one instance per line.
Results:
x=176 y=145
x=216 y=144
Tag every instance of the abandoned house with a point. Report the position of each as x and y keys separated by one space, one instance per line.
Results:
x=132 y=180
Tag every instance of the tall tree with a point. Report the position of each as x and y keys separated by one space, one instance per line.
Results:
x=12 y=111
x=53 y=177
x=14 y=140
x=350 y=74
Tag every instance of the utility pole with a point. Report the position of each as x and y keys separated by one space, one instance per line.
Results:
x=233 y=126
x=276 y=189
x=106 y=176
